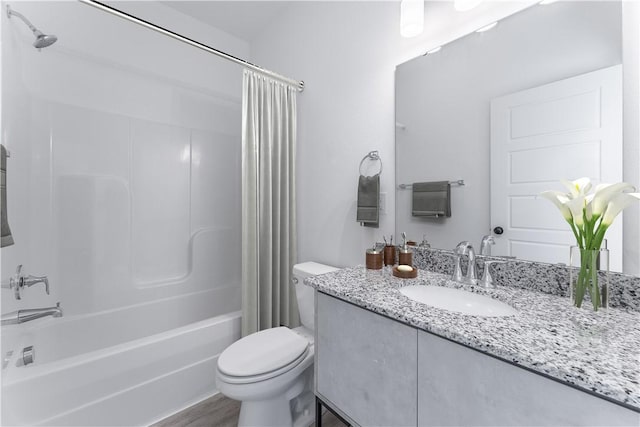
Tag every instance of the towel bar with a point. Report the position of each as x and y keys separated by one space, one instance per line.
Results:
x=458 y=183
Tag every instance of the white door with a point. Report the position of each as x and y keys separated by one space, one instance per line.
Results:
x=567 y=129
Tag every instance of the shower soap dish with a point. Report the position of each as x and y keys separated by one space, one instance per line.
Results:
x=405 y=271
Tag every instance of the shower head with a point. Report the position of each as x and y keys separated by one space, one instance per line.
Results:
x=42 y=40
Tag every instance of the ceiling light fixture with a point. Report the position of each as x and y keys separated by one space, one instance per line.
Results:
x=487 y=27
x=464 y=5
x=434 y=50
x=411 y=17
x=548 y=1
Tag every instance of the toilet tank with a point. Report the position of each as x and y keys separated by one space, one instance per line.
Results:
x=304 y=293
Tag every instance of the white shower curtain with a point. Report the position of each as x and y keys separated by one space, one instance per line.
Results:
x=268 y=203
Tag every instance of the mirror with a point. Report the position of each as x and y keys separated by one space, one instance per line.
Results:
x=444 y=125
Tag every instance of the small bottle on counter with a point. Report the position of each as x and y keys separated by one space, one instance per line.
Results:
x=405 y=257
x=389 y=255
x=374 y=259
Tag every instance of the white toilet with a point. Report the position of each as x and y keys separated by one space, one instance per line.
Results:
x=271 y=371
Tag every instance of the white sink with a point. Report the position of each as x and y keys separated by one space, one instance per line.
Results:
x=458 y=300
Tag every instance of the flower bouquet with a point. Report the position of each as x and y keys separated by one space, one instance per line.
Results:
x=590 y=214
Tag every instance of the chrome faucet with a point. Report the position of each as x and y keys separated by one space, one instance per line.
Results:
x=466 y=248
x=30 y=314
x=487 y=240
x=20 y=281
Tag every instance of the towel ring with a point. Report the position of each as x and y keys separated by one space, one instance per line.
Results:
x=372 y=155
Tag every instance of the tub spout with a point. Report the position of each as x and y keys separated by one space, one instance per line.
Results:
x=30 y=314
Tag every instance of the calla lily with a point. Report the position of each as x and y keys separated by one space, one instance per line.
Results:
x=577 y=206
x=580 y=186
x=604 y=193
x=560 y=200
x=616 y=205
x=590 y=215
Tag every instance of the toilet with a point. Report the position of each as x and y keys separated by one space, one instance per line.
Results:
x=271 y=371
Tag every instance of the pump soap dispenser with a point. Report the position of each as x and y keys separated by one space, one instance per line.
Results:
x=405 y=256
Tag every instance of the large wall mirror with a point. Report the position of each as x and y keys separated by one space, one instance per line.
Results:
x=511 y=111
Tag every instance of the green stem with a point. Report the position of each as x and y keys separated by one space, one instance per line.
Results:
x=587 y=279
x=595 y=291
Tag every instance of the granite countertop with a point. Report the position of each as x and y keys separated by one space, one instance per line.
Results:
x=598 y=352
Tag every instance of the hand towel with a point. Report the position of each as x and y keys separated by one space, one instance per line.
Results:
x=6 y=239
x=368 y=206
x=431 y=199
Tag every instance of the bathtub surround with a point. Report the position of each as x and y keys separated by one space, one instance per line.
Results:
x=268 y=203
x=125 y=192
x=6 y=237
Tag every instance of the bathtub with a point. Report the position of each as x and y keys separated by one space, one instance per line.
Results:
x=113 y=368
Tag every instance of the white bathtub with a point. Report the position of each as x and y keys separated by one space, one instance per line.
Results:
x=113 y=368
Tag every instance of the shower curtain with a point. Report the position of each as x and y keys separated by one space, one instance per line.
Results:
x=268 y=203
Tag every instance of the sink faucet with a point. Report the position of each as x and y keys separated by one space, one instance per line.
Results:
x=30 y=314
x=466 y=248
x=487 y=240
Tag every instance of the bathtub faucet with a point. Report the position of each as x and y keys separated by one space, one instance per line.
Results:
x=30 y=314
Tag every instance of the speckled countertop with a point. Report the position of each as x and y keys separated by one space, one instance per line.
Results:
x=595 y=351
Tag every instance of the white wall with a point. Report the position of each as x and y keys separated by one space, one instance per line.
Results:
x=346 y=52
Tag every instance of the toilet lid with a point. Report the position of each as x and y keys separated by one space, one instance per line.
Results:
x=262 y=352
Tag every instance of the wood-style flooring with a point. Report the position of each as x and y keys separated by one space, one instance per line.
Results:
x=220 y=411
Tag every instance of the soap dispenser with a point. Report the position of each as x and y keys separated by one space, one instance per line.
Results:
x=405 y=257
x=374 y=258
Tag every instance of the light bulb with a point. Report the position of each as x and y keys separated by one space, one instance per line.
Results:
x=464 y=5
x=411 y=17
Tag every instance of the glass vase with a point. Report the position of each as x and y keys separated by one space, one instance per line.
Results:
x=589 y=277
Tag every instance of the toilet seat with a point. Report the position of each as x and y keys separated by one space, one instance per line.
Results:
x=262 y=355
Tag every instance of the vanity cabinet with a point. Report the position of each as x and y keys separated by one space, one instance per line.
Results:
x=460 y=386
x=365 y=364
x=375 y=371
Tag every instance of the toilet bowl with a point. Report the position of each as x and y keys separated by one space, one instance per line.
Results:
x=271 y=371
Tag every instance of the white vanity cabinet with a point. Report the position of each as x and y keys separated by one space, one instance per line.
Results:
x=375 y=371
x=365 y=364
x=461 y=386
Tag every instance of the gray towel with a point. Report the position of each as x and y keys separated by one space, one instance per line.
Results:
x=6 y=239
x=431 y=199
x=368 y=209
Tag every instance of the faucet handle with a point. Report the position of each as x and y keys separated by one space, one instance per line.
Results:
x=487 y=240
x=30 y=280
x=487 y=279
x=462 y=247
x=20 y=281
x=457 y=271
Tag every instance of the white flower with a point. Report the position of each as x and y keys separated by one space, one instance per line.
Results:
x=577 y=206
x=616 y=205
x=604 y=193
x=560 y=200
x=580 y=186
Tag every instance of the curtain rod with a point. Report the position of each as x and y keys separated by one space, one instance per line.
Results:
x=162 y=30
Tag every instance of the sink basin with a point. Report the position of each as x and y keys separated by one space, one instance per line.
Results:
x=458 y=300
